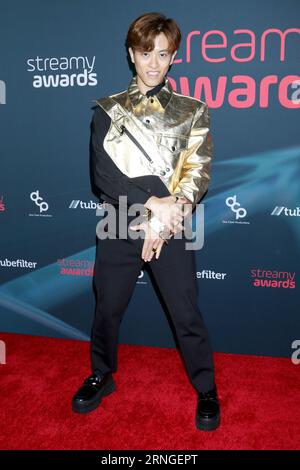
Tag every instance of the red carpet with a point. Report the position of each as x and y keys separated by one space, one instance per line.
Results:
x=154 y=405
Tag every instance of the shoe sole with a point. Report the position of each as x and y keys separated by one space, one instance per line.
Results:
x=207 y=424
x=78 y=407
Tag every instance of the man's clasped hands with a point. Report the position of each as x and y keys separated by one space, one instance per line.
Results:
x=170 y=211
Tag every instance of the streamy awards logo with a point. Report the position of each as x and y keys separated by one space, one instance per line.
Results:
x=54 y=72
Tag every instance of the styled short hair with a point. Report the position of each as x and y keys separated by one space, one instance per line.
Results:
x=145 y=28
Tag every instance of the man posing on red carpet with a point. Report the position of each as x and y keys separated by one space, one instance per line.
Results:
x=152 y=146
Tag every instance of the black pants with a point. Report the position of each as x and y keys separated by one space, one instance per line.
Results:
x=117 y=267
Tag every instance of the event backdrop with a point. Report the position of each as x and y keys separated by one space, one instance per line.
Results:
x=242 y=58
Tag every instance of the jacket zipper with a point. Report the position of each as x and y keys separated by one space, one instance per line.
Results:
x=124 y=129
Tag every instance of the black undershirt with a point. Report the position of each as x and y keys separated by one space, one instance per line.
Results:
x=156 y=89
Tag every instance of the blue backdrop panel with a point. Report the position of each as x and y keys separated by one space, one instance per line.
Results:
x=243 y=60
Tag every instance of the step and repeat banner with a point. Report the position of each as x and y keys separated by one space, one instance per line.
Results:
x=243 y=59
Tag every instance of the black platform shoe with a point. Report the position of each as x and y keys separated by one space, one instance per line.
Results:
x=208 y=410
x=90 y=394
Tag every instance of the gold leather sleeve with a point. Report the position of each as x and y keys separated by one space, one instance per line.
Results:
x=195 y=161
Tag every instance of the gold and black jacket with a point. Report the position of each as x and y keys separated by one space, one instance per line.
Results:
x=154 y=144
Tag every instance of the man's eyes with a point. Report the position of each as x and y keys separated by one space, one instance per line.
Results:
x=163 y=54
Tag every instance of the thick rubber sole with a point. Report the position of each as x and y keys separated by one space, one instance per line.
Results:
x=207 y=424
x=79 y=407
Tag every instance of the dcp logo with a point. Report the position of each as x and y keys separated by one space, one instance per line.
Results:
x=240 y=212
x=35 y=197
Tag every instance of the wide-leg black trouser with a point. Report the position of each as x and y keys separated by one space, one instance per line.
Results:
x=117 y=267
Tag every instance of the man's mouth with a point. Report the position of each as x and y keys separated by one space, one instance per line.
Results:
x=152 y=74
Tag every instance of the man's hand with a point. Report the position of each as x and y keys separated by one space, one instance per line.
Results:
x=167 y=211
x=152 y=240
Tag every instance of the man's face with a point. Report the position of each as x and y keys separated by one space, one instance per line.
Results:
x=151 y=67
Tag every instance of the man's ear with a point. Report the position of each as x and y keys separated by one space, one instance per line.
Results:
x=131 y=54
x=173 y=57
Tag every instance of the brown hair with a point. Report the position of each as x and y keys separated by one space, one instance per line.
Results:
x=145 y=28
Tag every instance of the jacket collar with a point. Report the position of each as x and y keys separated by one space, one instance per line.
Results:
x=163 y=95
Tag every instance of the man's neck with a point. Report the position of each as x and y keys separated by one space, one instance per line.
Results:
x=154 y=90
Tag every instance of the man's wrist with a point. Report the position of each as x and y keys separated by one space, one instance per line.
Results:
x=148 y=204
x=160 y=228
x=156 y=224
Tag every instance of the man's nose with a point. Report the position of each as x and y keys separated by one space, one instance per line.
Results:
x=153 y=61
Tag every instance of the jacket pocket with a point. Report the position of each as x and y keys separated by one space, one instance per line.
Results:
x=173 y=143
